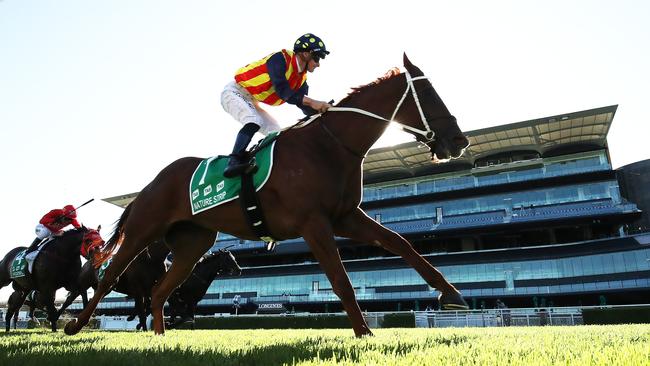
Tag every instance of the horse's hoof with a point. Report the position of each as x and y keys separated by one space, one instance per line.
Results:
x=366 y=333
x=452 y=301
x=71 y=327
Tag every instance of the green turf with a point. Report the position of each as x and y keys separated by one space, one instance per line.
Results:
x=579 y=345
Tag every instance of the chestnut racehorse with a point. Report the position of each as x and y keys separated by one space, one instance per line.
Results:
x=314 y=192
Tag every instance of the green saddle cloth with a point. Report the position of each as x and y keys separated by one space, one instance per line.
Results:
x=209 y=188
x=18 y=265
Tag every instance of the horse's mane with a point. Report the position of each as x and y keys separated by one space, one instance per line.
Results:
x=73 y=231
x=388 y=75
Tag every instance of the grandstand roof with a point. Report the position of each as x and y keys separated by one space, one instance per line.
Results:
x=542 y=135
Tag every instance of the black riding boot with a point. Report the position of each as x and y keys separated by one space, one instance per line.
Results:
x=238 y=165
x=33 y=245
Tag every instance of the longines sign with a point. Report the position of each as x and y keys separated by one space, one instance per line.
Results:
x=271 y=306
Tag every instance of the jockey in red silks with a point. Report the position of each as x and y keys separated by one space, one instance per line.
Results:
x=53 y=223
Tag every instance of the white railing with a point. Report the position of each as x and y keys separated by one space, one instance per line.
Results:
x=499 y=317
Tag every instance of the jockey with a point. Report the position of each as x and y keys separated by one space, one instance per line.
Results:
x=53 y=223
x=277 y=78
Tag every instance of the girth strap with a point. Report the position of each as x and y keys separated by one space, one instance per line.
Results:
x=252 y=209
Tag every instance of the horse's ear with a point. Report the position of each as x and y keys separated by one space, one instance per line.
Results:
x=407 y=62
x=99 y=228
x=412 y=69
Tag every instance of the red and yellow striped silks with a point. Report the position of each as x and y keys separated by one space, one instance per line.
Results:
x=255 y=78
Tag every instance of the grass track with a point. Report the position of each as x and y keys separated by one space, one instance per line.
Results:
x=580 y=345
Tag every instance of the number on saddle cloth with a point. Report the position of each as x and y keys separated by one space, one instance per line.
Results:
x=208 y=187
x=18 y=265
x=22 y=264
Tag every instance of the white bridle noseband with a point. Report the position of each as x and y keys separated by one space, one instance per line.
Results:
x=427 y=133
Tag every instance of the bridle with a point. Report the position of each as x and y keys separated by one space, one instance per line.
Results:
x=425 y=136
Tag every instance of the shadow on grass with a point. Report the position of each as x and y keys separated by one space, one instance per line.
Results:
x=289 y=353
x=67 y=352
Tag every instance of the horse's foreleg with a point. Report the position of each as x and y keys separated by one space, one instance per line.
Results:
x=16 y=318
x=320 y=238
x=140 y=309
x=47 y=299
x=359 y=227
x=84 y=297
x=68 y=300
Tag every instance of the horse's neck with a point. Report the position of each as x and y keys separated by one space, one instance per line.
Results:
x=359 y=132
x=67 y=245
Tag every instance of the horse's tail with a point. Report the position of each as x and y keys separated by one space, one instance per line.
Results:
x=115 y=240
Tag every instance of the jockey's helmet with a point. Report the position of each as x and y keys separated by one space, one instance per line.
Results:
x=310 y=42
x=70 y=212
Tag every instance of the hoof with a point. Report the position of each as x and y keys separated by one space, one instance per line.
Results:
x=367 y=333
x=452 y=301
x=71 y=328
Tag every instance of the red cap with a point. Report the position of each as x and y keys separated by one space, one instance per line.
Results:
x=70 y=212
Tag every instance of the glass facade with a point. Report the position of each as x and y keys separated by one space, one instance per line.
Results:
x=567 y=165
x=540 y=197
x=368 y=284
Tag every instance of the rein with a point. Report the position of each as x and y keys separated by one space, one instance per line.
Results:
x=427 y=134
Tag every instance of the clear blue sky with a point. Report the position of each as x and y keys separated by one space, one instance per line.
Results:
x=97 y=97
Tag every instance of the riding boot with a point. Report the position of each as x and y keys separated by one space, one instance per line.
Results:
x=33 y=245
x=238 y=164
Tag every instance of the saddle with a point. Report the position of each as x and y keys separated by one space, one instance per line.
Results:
x=208 y=187
x=23 y=263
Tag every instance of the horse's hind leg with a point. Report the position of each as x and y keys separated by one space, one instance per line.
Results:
x=16 y=300
x=358 y=226
x=188 y=243
x=134 y=242
x=318 y=234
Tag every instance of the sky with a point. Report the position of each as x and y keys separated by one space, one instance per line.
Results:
x=97 y=97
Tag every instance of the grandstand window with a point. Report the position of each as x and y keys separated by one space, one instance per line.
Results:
x=630 y=261
x=619 y=262
x=588 y=266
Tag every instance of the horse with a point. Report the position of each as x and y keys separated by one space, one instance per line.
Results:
x=314 y=191
x=58 y=265
x=183 y=301
x=137 y=280
x=31 y=300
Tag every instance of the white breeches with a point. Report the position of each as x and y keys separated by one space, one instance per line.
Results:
x=240 y=104
x=42 y=232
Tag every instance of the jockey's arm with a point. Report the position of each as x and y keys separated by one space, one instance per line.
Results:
x=277 y=68
x=317 y=105
x=51 y=216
